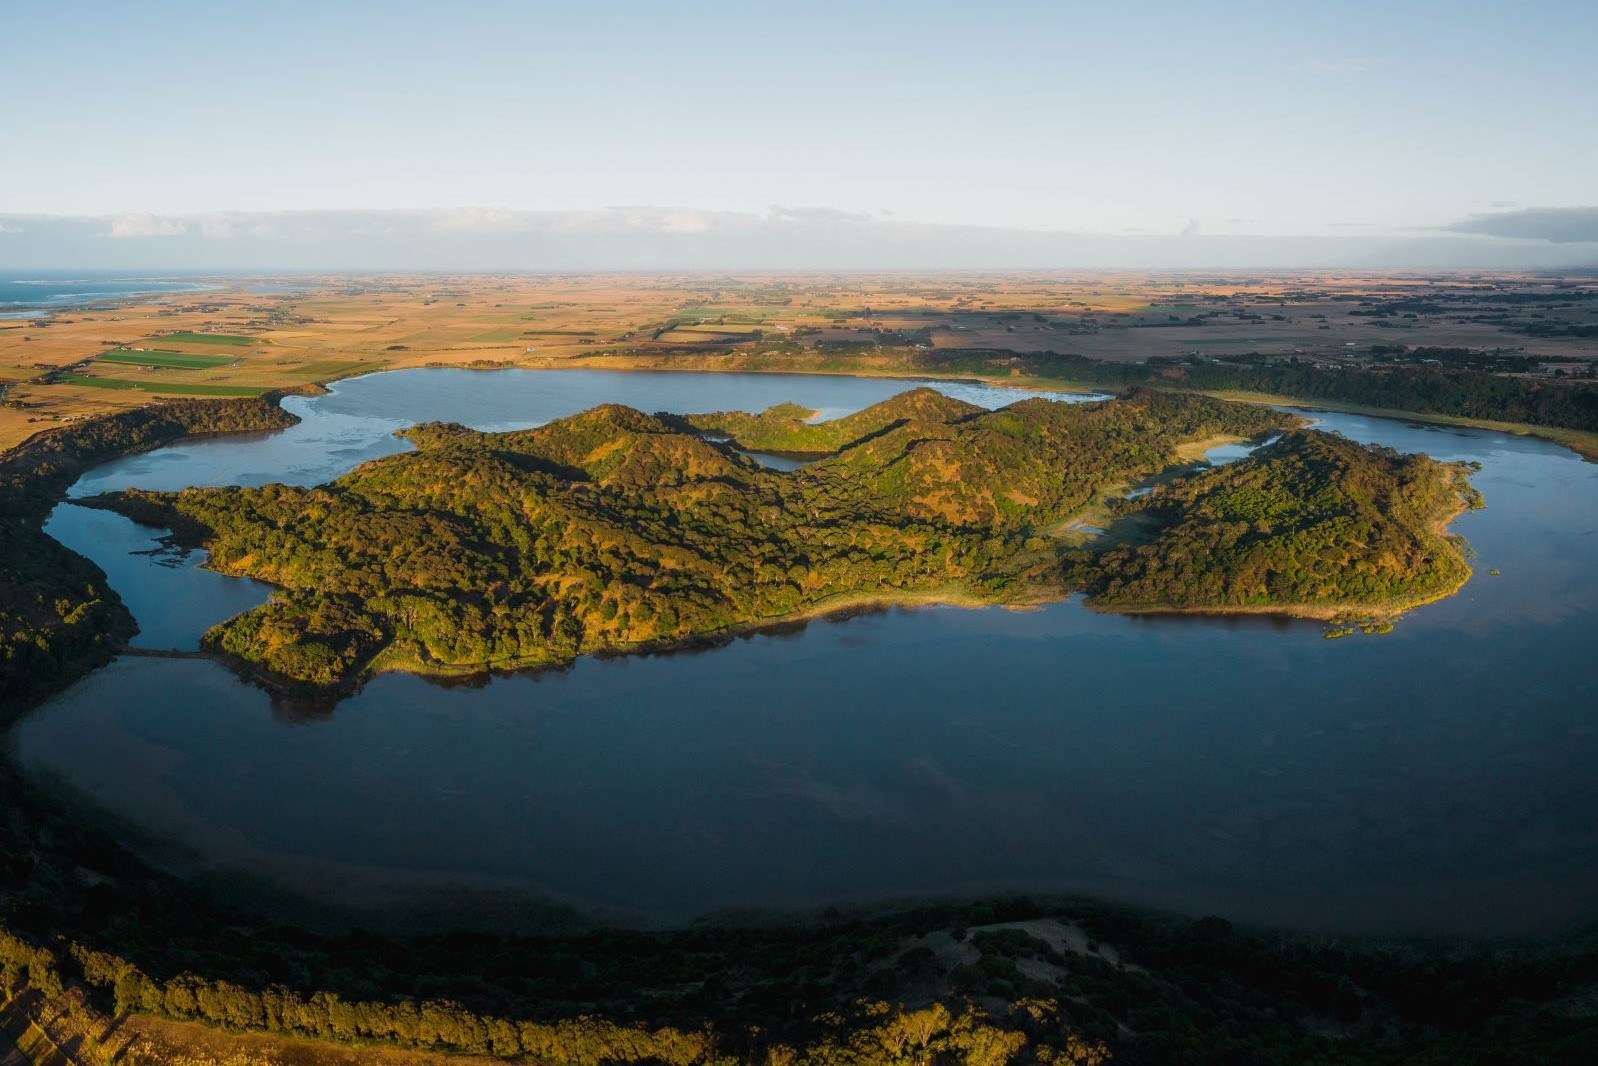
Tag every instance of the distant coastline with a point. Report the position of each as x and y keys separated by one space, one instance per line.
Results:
x=37 y=294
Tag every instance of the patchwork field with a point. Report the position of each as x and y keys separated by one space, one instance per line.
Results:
x=236 y=340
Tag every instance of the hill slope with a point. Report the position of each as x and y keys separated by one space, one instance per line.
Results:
x=788 y=427
x=1313 y=523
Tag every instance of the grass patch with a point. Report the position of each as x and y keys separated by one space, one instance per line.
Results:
x=175 y=360
x=187 y=337
x=327 y=369
x=498 y=336
x=157 y=386
x=740 y=312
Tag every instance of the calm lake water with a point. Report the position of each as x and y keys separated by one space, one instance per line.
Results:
x=1437 y=779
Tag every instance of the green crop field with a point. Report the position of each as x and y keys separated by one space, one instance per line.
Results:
x=175 y=360
x=188 y=337
x=181 y=389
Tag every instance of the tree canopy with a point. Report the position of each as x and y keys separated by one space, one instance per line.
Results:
x=1313 y=520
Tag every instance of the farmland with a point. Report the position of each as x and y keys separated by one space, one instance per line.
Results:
x=189 y=337
x=177 y=388
x=156 y=357
x=309 y=330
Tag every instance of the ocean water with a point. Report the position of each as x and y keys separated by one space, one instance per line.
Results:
x=28 y=294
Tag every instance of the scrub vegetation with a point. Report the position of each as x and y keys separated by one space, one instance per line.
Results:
x=1313 y=524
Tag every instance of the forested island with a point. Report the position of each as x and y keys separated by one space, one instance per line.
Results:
x=614 y=529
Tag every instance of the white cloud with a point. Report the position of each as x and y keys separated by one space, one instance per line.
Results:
x=146 y=225
x=217 y=227
x=676 y=220
x=1558 y=225
x=816 y=214
x=660 y=219
x=652 y=238
x=478 y=220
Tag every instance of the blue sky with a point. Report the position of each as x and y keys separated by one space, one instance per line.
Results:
x=1267 y=120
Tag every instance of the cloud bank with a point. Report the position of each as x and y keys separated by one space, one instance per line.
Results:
x=1559 y=225
x=781 y=238
x=143 y=225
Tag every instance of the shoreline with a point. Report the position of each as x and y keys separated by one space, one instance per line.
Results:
x=1030 y=593
x=1579 y=441
x=1033 y=596
x=1583 y=443
x=835 y=608
x=87 y=301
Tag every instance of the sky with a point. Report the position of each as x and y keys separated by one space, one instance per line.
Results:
x=284 y=134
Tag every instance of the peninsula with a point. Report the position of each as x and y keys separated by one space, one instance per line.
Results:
x=617 y=530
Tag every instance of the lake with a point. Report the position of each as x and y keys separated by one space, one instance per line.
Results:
x=1438 y=779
